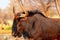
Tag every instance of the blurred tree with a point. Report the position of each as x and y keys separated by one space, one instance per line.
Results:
x=57 y=7
x=46 y=5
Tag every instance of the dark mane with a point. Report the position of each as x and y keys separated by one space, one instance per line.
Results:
x=42 y=14
x=31 y=13
x=14 y=27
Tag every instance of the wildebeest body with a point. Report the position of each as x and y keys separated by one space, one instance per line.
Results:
x=43 y=27
x=39 y=27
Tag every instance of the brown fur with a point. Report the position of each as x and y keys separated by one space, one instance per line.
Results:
x=40 y=28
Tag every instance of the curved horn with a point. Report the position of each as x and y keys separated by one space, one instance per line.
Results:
x=26 y=13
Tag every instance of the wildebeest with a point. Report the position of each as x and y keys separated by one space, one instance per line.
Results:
x=38 y=27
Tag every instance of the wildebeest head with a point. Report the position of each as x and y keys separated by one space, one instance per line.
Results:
x=16 y=23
